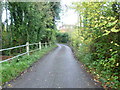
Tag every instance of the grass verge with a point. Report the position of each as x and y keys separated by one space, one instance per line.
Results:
x=12 y=69
x=101 y=74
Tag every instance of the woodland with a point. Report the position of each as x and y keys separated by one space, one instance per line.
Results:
x=95 y=40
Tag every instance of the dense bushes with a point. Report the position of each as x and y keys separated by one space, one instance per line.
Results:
x=29 y=22
x=97 y=44
x=62 y=37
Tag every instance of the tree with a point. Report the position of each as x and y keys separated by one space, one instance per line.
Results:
x=99 y=39
x=30 y=22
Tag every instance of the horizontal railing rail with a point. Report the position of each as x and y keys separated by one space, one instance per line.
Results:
x=34 y=43
x=39 y=47
x=12 y=48
x=13 y=57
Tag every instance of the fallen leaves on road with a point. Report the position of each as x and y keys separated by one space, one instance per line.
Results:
x=9 y=85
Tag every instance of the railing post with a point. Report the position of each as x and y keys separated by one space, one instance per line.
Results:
x=40 y=45
x=50 y=44
x=45 y=44
x=27 y=48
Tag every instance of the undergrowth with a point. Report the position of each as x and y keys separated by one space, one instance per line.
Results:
x=15 y=67
x=103 y=70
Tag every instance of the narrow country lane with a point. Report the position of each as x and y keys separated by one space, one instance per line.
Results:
x=58 y=69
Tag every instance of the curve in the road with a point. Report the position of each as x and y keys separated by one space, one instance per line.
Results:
x=58 y=69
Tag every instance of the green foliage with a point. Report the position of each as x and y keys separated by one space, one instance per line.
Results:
x=30 y=22
x=1 y=9
x=97 y=44
x=62 y=37
x=14 y=68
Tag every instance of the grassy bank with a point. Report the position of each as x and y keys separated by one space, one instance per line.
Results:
x=101 y=74
x=15 y=67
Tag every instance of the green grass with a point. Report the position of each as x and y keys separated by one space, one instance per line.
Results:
x=102 y=70
x=11 y=70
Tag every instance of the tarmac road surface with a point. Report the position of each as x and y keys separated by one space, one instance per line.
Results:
x=58 y=69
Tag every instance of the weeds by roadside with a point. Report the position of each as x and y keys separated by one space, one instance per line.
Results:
x=15 y=67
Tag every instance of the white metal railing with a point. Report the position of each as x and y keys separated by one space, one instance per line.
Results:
x=27 y=49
